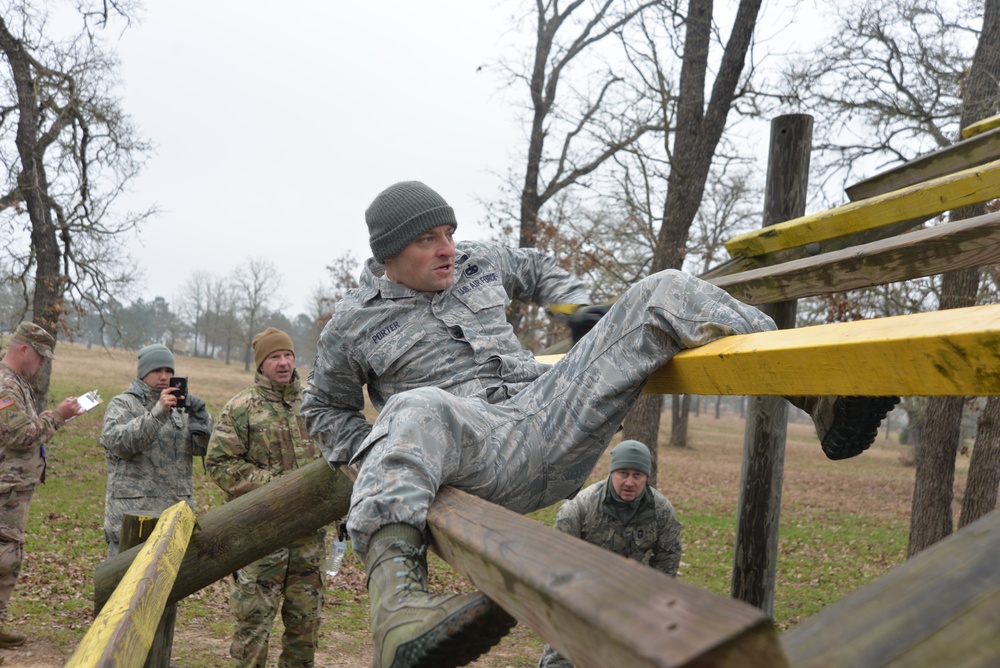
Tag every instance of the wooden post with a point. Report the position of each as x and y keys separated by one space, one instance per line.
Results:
x=756 y=552
x=136 y=528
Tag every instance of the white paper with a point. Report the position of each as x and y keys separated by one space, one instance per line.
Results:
x=88 y=400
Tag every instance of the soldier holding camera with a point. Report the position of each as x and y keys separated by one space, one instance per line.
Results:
x=151 y=433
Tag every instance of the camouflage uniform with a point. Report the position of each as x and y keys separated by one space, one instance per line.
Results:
x=260 y=435
x=22 y=463
x=645 y=530
x=462 y=404
x=149 y=455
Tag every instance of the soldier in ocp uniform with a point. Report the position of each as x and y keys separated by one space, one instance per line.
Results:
x=23 y=433
x=462 y=403
x=150 y=437
x=624 y=515
x=260 y=436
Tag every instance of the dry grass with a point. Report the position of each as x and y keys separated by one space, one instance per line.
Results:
x=842 y=525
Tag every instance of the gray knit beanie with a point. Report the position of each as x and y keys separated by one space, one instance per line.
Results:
x=631 y=455
x=154 y=356
x=401 y=213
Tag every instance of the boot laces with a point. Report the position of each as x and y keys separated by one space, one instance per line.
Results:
x=413 y=575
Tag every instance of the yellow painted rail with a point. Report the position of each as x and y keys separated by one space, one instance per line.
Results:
x=123 y=633
x=969 y=186
x=944 y=353
x=980 y=127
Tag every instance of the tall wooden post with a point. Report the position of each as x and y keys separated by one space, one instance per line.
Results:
x=136 y=528
x=756 y=552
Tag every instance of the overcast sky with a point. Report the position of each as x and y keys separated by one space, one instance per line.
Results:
x=276 y=124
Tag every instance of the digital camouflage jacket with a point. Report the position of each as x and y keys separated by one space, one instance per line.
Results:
x=260 y=434
x=149 y=454
x=390 y=338
x=652 y=536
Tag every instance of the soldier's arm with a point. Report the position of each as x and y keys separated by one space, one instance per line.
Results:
x=128 y=428
x=536 y=277
x=19 y=429
x=227 y=461
x=333 y=400
x=666 y=556
x=569 y=519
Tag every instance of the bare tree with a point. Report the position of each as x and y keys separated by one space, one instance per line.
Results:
x=887 y=85
x=931 y=516
x=578 y=119
x=698 y=125
x=257 y=283
x=68 y=151
x=194 y=300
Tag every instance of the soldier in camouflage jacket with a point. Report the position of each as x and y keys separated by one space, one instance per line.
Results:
x=260 y=436
x=624 y=515
x=23 y=433
x=149 y=443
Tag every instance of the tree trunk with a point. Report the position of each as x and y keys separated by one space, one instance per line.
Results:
x=931 y=514
x=984 y=468
x=32 y=181
x=679 y=427
x=931 y=518
x=644 y=416
x=699 y=129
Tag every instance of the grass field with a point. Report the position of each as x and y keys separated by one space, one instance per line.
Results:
x=842 y=524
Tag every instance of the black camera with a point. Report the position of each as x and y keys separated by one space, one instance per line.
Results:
x=181 y=383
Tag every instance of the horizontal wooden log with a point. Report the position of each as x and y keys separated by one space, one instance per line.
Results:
x=247 y=528
x=940 y=608
x=977 y=150
x=123 y=632
x=594 y=606
x=969 y=186
x=973 y=242
x=944 y=353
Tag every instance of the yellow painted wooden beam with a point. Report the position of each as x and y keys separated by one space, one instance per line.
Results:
x=123 y=633
x=981 y=126
x=944 y=353
x=969 y=186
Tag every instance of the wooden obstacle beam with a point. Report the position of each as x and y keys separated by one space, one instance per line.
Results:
x=977 y=150
x=123 y=632
x=946 y=193
x=943 y=353
x=962 y=244
x=982 y=126
x=939 y=608
x=246 y=529
x=594 y=606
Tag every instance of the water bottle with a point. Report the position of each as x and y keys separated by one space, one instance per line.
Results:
x=337 y=552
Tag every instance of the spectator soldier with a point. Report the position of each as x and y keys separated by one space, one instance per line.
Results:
x=625 y=515
x=23 y=433
x=261 y=436
x=149 y=442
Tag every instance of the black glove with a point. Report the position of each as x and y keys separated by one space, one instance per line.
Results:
x=583 y=319
x=198 y=417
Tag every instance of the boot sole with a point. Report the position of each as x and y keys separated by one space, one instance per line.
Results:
x=855 y=425
x=459 y=639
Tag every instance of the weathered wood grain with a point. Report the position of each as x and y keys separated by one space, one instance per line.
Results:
x=596 y=607
x=940 y=608
x=973 y=242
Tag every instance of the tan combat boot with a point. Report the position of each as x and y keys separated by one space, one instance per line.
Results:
x=413 y=628
x=12 y=638
x=846 y=426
